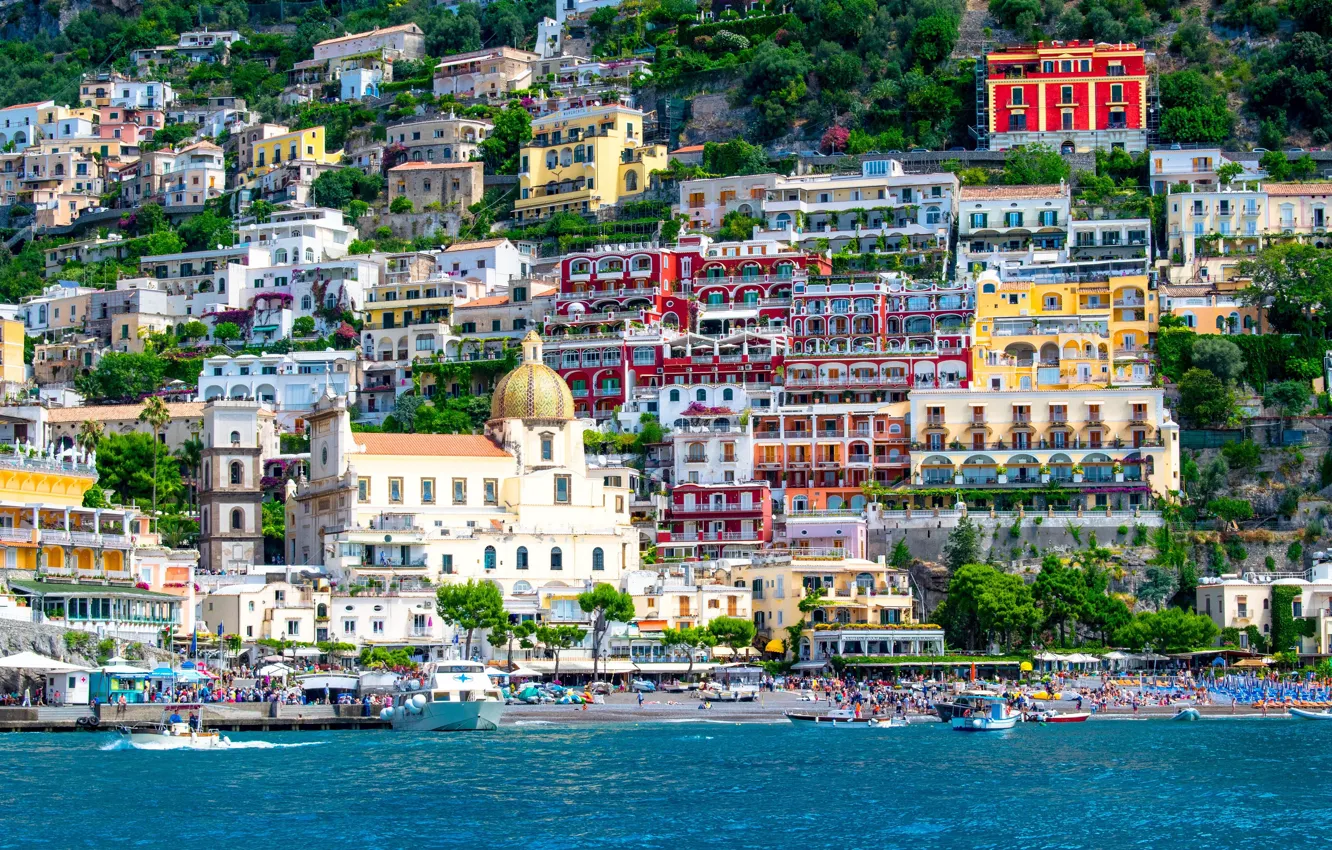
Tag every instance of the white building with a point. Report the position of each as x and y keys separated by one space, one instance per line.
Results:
x=310 y=235
x=405 y=41
x=291 y=383
x=19 y=123
x=495 y=262
x=280 y=294
x=135 y=94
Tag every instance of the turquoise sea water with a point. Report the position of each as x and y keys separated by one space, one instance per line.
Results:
x=1223 y=783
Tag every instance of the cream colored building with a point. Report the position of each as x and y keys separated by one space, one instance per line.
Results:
x=706 y=201
x=405 y=41
x=855 y=592
x=1240 y=602
x=485 y=73
x=441 y=140
x=1211 y=229
x=1102 y=444
x=515 y=506
x=274 y=611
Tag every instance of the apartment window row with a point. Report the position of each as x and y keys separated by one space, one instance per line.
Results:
x=428 y=491
x=523 y=560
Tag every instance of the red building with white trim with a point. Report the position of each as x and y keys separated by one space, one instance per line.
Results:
x=1071 y=95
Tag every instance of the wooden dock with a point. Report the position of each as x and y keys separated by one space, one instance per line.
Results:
x=225 y=717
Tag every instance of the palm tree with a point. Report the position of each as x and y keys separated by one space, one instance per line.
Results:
x=190 y=455
x=90 y=433
x=156 y=414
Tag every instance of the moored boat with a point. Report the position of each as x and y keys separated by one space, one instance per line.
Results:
x=988 y=714
x=1057 y=717
x=946 y=708
x=1306 y=714
x=1188 y=714
x=843 y=717
x=450 y=696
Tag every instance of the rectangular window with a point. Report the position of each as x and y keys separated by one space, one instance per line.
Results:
x=363 y=489
x=1066 y=94
x=427 y=491
x=460 y=491
x=1017 y=97
x=1117 y=93
x=446 y=564
x=562 y=489
x=395 y=491
x=490 y=489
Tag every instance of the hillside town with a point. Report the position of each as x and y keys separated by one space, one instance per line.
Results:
x=493 y=325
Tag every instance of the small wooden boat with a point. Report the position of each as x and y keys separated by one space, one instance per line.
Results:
x=1188 y=714
x=839 y=717
x=1305 y=714
x=171 y=735
x=1058 y=717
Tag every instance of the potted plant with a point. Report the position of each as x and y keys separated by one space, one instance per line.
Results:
x=1077 y=473
x=1045 y=474
x=1119 y=471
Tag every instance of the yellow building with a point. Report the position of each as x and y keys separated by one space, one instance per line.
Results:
x=12 y=369
x=1038 y=336
x=855 y=592
x=307 y=144
x=43 y=524
x=581 y=160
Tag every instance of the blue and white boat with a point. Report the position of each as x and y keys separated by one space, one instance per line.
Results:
x=450 y=696
x=985 y=714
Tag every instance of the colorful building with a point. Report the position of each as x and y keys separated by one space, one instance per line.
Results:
x=1071 y=95
x=581 y=160
x=1031 y=336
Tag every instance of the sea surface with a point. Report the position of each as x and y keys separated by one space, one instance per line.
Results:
x=1217 y=784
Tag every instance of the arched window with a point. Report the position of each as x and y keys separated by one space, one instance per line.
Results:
x=280 y=256
x=552 y=159
x=700 y=395
x=556 y=559
x=307 y=303
x=728 y=394
x=309 y=255
x=237 y=520
x=631 y=181
x=490 y=558
x=237 y=472
x=675 y=395
x=522 y=557
x=235 y=437
x=598 y=559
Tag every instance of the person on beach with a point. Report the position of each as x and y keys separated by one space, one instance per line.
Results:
x=640 y=699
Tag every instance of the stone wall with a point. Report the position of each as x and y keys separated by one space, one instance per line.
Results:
x=49 y=639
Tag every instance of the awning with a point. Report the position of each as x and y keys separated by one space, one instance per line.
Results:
x=705 y=314
x=1250 y=662
x=809 y=665
x=674 y=666
x=581 y=665
x=264 y=328
x=727 y=652
x=35 y=661
x=775 y=645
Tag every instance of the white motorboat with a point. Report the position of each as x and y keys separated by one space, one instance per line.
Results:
x=450 y=696
x=171 y=735
x=985 y=714
x=1306 y=714
x=1188 y=713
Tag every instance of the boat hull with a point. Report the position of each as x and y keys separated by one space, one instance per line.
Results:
x=159 y=741
x=983 y=724
x=478 y=716
x=1305 y=714
x=1188 y=714
x=1075 y=717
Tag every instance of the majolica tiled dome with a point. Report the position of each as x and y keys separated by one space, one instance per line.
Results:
x=533 y=390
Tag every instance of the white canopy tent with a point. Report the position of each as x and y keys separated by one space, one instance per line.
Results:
x=37 y=663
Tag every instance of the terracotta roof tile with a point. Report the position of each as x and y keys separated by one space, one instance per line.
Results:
x=431 y=166
x=471 y=246
x=688 y=149
x=488 y=301
x=429 y=445
x=1288 y=189
x=1012 y=192
x=104 y=412
x=398 y=28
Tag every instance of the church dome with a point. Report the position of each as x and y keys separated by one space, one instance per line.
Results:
x=533 y=390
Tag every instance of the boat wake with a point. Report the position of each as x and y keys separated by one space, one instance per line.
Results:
x=229 y=745
x=533 y=723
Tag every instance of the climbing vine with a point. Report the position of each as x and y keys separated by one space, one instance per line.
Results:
x=1287 y=629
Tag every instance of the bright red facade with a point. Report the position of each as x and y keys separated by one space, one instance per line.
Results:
x=1074 y=86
